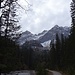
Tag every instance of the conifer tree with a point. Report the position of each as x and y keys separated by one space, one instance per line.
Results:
x=57 y=50
x=73 y=20
x=0 y=16
x=10 y=27
x=72 y=35
x=52 y=55
x=62 y=51
x=9 y=51
x=3 y=4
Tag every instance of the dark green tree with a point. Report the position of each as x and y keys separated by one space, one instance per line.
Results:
x=9 y=20
x=62 y=51
x=9 y=55
x=58 y=50
x=27 y=54
x=1 y=15
x=9 y=51
x=72 y=36
x=41 y=70
x=52 y=56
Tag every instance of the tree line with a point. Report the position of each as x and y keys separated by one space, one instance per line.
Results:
x=62 y=50
x=61 y=55
x=9 y=32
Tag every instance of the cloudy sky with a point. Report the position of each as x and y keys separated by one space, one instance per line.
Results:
x=44 y=14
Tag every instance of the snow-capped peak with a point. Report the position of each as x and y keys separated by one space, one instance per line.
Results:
x=45 y=36
x=27 y=36
x=46 y=44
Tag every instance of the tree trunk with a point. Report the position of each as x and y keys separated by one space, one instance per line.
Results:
x=0 y=18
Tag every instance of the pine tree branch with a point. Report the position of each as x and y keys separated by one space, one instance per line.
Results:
x=20 y=5
x=27 y=2
x=23 y=7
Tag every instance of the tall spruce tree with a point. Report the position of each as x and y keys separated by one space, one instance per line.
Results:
x=52 y=55
x=57 y=50
x=62 y=52
x=9 y=51
x=72 y=35
x=0 y=15
x=9 y=21
x=73 y=20
x=3 y=4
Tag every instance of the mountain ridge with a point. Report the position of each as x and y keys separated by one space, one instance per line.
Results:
x=44 y=36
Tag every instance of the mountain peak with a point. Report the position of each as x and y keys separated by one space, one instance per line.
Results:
x=56 y=26
x=43 y=32
x=45 y=35
x=27 y=32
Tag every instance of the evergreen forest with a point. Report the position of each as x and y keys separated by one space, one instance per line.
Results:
x=61 y=54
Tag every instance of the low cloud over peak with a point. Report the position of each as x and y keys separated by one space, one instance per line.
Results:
x=44 y=14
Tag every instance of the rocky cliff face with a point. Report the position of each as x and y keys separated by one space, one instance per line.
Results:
x=44 y=36
x=51 y=34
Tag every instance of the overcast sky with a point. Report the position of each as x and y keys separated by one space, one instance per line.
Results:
x=44 y=14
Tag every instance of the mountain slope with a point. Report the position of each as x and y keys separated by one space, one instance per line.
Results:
x=27 y=36
x=45 y=36
x=51 y=34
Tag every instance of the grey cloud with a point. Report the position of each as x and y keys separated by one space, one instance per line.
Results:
x=45 y=14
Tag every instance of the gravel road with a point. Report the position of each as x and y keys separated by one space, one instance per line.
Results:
x=54 y=72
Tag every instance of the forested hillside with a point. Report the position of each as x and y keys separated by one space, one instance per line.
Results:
x=32 y=55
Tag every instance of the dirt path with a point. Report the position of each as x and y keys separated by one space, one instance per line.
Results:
x=23 y=72
x=54 y=72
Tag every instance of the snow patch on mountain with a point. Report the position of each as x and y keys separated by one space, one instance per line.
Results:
x=46 y=43
x=44 y=37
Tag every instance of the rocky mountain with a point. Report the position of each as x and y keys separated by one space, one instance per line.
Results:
x=44 y=37
x=32 y=43
x=51 y=34
x=27 y=36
